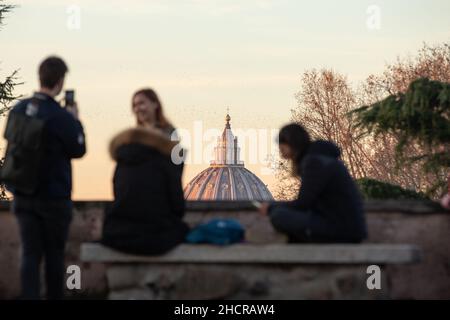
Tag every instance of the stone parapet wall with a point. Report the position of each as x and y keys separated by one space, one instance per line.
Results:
x=198 y=282
x=412 y=222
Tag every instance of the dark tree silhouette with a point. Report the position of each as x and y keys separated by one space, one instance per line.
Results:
x=421 y=116
x=7 y=85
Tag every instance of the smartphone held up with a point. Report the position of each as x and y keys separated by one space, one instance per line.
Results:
x=69 y=98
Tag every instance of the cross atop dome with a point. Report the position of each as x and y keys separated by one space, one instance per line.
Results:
x=227 y=119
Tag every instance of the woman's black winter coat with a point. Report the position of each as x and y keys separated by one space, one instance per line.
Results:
x=146 y=215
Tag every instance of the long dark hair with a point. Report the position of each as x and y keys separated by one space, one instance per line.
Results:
x=298 y=139
x=150 y=94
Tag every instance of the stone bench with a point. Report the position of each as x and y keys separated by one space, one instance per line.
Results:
x=249 y=271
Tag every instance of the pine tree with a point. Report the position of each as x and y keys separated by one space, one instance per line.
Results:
x=6 y=87
x=420 y=115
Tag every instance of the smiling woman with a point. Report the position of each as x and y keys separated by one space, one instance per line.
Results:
x=149 y=112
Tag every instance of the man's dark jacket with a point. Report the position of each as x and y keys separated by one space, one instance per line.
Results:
x=146 y=215
x=63 y=140
x=330 y=194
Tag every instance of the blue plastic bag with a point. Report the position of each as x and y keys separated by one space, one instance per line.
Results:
x=217 y=231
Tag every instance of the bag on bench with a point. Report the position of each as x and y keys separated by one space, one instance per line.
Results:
x=217 y=231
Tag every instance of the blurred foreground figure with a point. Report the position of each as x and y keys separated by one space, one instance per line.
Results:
x=148 y=208
x=329 y=207
x=42 y=139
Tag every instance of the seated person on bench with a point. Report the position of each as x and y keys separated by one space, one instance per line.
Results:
x=329 y=207
x=148 y=208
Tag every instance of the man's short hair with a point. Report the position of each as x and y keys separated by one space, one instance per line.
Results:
x=51 y=71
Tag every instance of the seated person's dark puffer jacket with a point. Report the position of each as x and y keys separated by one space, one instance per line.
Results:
x=146 y=215
x=330 y=195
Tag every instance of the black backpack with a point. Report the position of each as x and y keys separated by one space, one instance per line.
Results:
x=24 y=152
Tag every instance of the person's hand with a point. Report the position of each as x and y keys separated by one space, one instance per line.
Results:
x=73 y=110
x=264 y=209
x=445 y=201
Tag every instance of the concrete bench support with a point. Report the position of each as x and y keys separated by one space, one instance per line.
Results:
x=245 y=271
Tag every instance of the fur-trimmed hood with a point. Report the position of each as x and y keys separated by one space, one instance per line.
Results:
x=143 y=136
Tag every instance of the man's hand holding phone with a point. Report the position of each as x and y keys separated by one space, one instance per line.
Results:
x=73 y=109
x=69 y=103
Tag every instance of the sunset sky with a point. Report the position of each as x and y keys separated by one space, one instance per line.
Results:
x=202 y=57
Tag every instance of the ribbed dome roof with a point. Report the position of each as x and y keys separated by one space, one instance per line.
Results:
x=226 y=178
x=227 y=182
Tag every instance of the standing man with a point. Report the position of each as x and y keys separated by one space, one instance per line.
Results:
x=43 y=137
